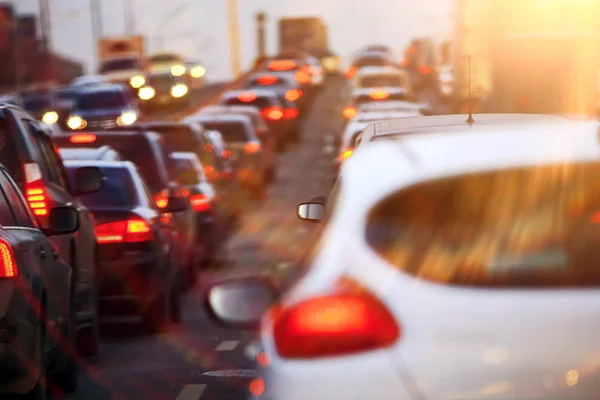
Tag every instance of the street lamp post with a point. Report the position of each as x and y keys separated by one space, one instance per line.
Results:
x=234 y=38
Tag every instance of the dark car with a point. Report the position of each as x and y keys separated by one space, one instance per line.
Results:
x=42 y=106
x=150 y=152
x=137 y=261
x=283 y=84
x=36 y=287
x=162 y=89
x=214 y=218
x=102 y=107
x=32 y=159
x=271 y=109
x=247 y=152
x=104 y=153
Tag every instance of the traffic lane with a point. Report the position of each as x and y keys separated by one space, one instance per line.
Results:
x=198 y=359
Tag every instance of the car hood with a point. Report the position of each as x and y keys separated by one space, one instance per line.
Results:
x=106 y=112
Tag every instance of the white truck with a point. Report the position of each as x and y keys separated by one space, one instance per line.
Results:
x=532 y=56
x=123 y=60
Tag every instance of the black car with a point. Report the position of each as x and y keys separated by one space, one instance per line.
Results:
x=102 y=107
x=150 y=152
x=36 y=288
x=271 y=109
x=42 y=106
x=162 y=89
x=283 y=84
x=137 y=262
x=32 y=159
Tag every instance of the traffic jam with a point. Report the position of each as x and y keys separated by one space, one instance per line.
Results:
x=414 y=224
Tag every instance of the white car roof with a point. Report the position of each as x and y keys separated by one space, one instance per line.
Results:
x=372 y=116
x=392 y=105
x=379 y=71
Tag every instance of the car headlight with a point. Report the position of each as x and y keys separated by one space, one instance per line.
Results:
x=146 y=93
x=179 y=90
x=127 y=118
x=50 y=118
x=198 y=72
x=178 y=70
x=137 y=81
x=75 y=122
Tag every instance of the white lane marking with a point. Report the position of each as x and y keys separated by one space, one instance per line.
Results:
x=233 y=373
x=227 y=345
x=191 y=392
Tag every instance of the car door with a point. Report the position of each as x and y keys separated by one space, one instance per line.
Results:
x=34 y=249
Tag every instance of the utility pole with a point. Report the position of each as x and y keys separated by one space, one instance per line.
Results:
x=129 y=16
x=260 y=28
x=234 y=38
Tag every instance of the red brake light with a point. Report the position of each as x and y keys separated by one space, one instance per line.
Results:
x=342 y=323
x=405 y=62
x=226 y=153
x=379 y=95
x=350 y=72
x=210 y=173
x=425 y=70
x=349 y=112
x=200 y=202
x=129 y=231
x=290 y=113
x=35 y=192
x=282 y=65
x=162 y=198
x=8 y=269
x=267 y=80
x=272 y=113
x=247 y=97
x=293 y=94
x=83 y=138
x=302 y=77
x=252 y=147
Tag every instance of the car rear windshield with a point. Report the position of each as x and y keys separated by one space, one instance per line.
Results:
x=101 y=100
x=374 y=81
x=118 y=190
x=121 y=64
x=371 y=62
x=186 y=173
x=180 y=138
x=260 y=102
x=528 y=228
x=231 y=131
x=37 y=103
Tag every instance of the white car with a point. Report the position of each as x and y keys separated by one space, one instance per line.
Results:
x=381 y=83
x=89 y=80
x=456 y=264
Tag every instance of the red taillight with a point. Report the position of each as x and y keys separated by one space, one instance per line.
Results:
x=379 y=95
x=349 y=112
x=339 y=324
x=350 y=72
x=210 y=173
x=200 y=202
x=272 y=113
x=290 y=113
x=35 y=191
x=302 y=77
x=226 y=153
x=129 y=231
x=247 y=97
x=83 y=138
x=8 y=269
x=293 y=94
x=405 y=62
x=346 y=154
x=162 y=198
x=411 y=50
x=282 y=65
x=267 y=80
x=425 y=70
x=252 y=147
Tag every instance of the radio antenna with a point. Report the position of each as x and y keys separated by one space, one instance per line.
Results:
x=470 y=120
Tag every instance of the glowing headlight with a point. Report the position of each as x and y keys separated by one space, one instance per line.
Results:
x=76 y=122
x=179 y=90
x=177 y=70
x=198 y=72
x=146 y=93
x=127 y=118
x=331 y=64
x=51 y=117
x=137 y=81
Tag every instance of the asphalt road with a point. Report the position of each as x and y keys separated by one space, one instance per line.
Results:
x=197 y=359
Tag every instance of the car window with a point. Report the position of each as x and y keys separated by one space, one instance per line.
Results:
x=118 y=189
x=98 y=100
x=21 y=212
x=231 y=131
x=9 y=154
x=51 y=160
x=529 y=227
x=7 y=217
x=186 y=173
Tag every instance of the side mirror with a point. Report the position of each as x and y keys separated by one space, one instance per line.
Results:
x=240 y=303
x=62 y=221
x=176 y=204
x=88 y=180
x=426 y=111
x=311 y=211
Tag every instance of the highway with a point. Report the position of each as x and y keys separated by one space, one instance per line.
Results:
x=197 y=359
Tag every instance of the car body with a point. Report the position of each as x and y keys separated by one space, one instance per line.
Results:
x=455 y=300
x=271 y=108
x=295 y=63
x=213 y=218
x=89 y=80
x=36 y=287
x=150 y=152
x=102 y=107
x=247 y=152
x=421 y=63
x=163 y=89
x=284 y=83
x=196 y=74
x=389 y=105
x=136 y=254
x=124 y=70
x=42 y=106
x=368 y=59
x=166 y=61
x=104 y=153
x=32 y=159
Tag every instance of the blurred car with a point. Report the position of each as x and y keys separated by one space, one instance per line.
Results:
x=137 y=261
x=150 y=152
x=32 y=159
x=489 y=229
x=166 y=61
x=41 y=105
x=284 y=84
x=421 y=63
x=50 y=129
x=369 y=59
x=196 y=75
x=89 y=80
x=65 y=99
x=246 y=149
x=163 y=89
x=271 y=109
x=102 y=107
x=213 y=218
x=124 y=70
x=37 y=298
x=103 y=153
